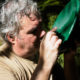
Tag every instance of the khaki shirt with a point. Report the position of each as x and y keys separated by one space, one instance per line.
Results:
x=13 y=67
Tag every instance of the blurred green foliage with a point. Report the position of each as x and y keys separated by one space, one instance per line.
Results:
x=61 y=60
x=44 y=4
x=51 y=19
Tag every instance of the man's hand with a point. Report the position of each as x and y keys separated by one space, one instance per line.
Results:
x=49 y=49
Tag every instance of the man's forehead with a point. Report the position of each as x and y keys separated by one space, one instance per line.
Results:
x=28 y=20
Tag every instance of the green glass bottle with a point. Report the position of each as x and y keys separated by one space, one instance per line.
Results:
x=66 y=19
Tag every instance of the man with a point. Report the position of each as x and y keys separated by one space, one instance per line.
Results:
x=20 y=28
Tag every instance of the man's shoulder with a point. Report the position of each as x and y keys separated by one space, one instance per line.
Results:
x=3 y=47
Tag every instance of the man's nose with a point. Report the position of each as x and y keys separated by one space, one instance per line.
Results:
x=37 y=21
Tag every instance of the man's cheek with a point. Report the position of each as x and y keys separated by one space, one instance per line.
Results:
x=33 y=39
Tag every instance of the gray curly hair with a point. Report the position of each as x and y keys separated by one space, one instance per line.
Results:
x=9 y=22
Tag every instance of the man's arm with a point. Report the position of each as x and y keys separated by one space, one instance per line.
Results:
x=48 y=55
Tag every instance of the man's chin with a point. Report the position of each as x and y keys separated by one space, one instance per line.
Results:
x=31 y=54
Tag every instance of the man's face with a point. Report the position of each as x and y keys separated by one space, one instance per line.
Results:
x=28 y=39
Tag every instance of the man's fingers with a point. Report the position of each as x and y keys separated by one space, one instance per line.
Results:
x=58 y=43
x=54 y=29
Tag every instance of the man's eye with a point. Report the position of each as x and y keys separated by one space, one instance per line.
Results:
x=32 y=32
x=33 y=19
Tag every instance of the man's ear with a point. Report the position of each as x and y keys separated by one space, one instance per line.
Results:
x=11 y=38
